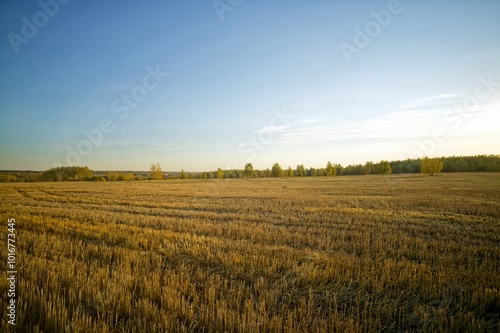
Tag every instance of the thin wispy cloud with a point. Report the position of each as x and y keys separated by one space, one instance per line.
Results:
x=433 y=101
x=394 y=126
x=215 y=107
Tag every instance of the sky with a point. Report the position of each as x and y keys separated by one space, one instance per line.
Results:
x=197 y=85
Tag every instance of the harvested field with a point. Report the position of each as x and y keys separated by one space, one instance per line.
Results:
x=409 y=253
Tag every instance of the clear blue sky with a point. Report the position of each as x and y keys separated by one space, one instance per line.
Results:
x=232 y=69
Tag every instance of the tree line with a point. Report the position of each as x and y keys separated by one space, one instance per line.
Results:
x=477 y=163
x=68 y=173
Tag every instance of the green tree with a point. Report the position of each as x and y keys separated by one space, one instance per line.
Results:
x=300 y=171
x=220 y=173
x=289 y=172
x=84 y=173
x=112 y=175
x=204 y=175
x=126 y=176
x=384 y=168
x=265 y=173
x=155 y=171
x=431 y=165
x=66 y=173
x=276 y=170
x=339 y=168
x=367 y=169
x=330 y=170
x=183 y=174
x=248 y=170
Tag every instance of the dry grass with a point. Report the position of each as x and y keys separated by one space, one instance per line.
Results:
x=344 y=254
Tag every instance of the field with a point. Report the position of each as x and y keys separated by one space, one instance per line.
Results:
x=393 y=253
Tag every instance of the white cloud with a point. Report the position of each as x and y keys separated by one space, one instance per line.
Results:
x=433 y=101
x=395 y=125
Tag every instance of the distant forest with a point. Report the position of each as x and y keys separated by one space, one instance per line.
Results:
x=477 y=163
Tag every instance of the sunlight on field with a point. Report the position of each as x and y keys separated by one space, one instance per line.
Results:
x=325 y=254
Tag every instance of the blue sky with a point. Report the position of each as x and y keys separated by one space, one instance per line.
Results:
x=246 y=81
